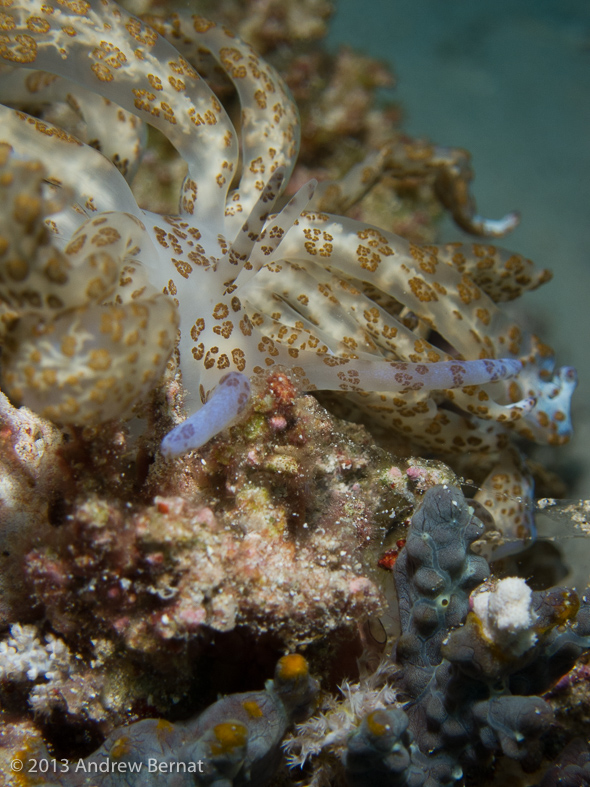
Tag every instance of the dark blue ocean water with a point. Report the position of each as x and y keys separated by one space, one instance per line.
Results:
x=510 y=81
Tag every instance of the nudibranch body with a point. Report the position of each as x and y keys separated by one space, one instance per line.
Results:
x=90 y=310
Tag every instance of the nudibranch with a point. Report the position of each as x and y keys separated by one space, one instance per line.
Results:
x=93 y=289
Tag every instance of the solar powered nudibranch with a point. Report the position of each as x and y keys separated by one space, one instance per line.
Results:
x=95 y=291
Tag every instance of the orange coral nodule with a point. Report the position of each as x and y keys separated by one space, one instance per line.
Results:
x=32 y=748
x=376 y=723
x=164 y=727
x=121 y=748
x=229 y=735
x=292 y=667
x=253 y=709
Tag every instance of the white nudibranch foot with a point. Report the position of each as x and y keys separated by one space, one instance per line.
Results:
x=229 y=397
x=226 y=402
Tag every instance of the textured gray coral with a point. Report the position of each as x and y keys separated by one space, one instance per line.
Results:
x=572 y=768
x=469 y=697
x=236 y=741
x=381 y=754
x=434 y=576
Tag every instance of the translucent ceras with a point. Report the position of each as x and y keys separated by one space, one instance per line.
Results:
x=83 y=339
x=346 y=306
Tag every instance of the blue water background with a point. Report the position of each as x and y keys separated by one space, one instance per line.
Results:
x=510 y=81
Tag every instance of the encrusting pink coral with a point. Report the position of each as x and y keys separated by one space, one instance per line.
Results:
x=274 y=535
